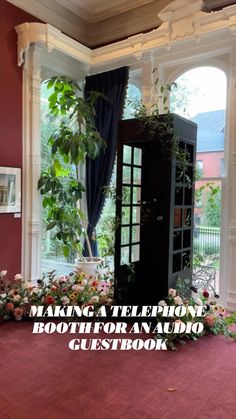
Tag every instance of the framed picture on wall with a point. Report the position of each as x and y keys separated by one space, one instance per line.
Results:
x=10 y=189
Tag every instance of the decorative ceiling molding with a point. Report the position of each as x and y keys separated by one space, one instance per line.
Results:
x=180 y=24
x=125 y=22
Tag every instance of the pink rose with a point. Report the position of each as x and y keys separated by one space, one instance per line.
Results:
x=9 y=306
x=18 y=313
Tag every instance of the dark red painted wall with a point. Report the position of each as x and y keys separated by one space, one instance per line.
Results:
x=10 y=126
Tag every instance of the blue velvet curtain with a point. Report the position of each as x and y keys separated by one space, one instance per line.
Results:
x=113 y=85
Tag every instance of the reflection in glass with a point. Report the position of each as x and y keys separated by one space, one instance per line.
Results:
x=135 y=250
x=125 y=255
x=125 y=215
x=136 y=194
x=126 y=174
x=126 y=192
x=135 y=234
x=136 y=215
x=137 y=156
x=137 y=176
x=125 y=235
x=127 y=154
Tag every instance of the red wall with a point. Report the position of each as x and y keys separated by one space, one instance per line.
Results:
x=10 y=127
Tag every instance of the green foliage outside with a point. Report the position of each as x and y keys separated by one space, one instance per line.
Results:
x=75 y=138
x=50 y=248
x=182 y=95
x=213 y=209
x=107 y=224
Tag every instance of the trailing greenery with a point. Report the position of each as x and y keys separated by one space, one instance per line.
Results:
x=162 y=125
x=75 y=138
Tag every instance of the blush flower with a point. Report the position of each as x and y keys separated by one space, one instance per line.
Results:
x=172 y=292
x=178 y=300
x=18 y=313
x=16 y=297
x=65 y=300
x=162 y=303
x=94 y=299
x=9 y=306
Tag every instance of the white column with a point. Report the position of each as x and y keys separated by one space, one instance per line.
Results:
x=31 y=221
x=231 y=254
x=146 y=83
x=150 y=88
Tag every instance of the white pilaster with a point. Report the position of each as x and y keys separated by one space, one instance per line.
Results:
x=31 y=221
x=231 y=257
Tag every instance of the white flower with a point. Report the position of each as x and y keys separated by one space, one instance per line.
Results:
x=16 y=297
x=36 y=291
x=75 y=287
x=25 y=300
x=198 y=301
x=17 y=276
x=84 y=282
x=65 y=300
x=3 y=273
x=162 y=303
x=178 y=300
x=172 y=292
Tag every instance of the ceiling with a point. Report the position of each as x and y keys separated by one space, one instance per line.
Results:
x=97 y=10
x=99 y=22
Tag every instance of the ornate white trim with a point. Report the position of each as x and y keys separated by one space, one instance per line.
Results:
x=31 y=214
x=180 y=22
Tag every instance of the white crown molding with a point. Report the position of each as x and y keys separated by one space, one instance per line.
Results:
x=52 y=39
x=122 y=24
x=178 y=24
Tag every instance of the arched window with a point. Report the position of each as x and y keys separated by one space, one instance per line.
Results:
x=200 y=95
x=133 y=96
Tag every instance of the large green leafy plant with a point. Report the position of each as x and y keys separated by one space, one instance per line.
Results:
x=75 y=138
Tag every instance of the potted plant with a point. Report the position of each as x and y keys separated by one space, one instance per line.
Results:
x=75 y=139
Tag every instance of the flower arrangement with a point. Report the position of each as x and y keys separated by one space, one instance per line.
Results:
x=215 y=320
x=77 y=288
